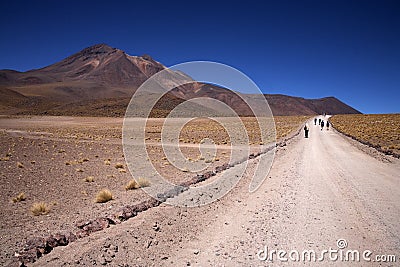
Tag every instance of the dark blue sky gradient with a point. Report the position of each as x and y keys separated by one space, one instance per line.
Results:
x=347 y=49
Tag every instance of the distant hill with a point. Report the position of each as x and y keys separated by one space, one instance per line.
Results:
x=289 y=105
x=100 y=80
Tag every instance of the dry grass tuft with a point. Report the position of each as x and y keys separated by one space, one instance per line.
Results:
x=89 y=179
x=83 y=160
x=132 y=184
x=20 y=197
x=143 y=182
x=119 y=165
x=20 y=165
x=107 y=162
x=5 y=158
x=40 y=208
x=103 y=196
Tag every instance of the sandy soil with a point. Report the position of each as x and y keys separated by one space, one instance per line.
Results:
x=48 y=158
x=320 y=190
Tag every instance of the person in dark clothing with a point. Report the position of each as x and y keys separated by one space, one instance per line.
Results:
x=315 y=121
x=306 y=129
x=319 y=121
x=327 y=125
x=322 y=125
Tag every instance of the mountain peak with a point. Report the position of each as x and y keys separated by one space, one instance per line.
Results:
x=99 y=48
x=147 y=57
x=96 y=50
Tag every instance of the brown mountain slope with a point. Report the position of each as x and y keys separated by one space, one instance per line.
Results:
x=288 y=105
x=99 y=63
x=95 y=72
x=100 y=80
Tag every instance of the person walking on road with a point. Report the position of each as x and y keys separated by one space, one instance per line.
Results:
x=327 y=125
x=315 y=121
x=322 y=125
x=319 y=121
x=306 y=129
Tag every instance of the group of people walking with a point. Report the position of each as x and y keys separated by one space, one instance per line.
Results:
x=321 y=123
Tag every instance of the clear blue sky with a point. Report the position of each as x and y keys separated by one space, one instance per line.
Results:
x=347 y=49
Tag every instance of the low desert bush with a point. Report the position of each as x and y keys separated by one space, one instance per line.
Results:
x=20 y=197
x=104 y=196
x=40 y=208
x=132 y=184
x=5 y=159
x=119 y=166
x=143 y=182
x=89 y=179
x=83 y=160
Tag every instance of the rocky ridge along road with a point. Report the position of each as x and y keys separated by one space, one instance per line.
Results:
x=320 y=190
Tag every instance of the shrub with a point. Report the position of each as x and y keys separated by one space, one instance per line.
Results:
x=83 y=160
x=132 y=184
x=40 y=208
x=119 y=166
x=89 y=179
x=143 y=182
x=19 y=197
x=104 y=196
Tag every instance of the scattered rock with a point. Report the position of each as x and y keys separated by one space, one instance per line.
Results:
x=37 y=247
x=156 y=227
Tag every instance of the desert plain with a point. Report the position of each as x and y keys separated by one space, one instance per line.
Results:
x=64 y=162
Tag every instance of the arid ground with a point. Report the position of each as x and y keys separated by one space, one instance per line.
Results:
x=381 y=131
x=65 y=161
x=321 y=189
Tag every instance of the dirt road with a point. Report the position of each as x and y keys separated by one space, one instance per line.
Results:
x=320 y=190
